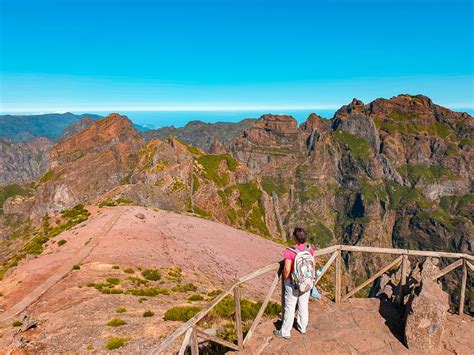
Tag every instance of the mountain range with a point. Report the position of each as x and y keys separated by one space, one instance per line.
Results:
x=394 y=172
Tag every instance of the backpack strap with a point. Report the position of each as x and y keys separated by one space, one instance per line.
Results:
x=294 y=250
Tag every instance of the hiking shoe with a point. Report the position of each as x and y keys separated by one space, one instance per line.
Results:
x=278 y=334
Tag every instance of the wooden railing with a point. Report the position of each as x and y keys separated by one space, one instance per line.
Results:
x=192 y=334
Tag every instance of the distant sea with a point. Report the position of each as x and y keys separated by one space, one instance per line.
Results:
x=157 y=119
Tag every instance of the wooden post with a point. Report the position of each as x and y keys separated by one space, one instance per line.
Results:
x=238 y=318
x=463 y=288
x=403 y=280
x=262 y=308
x=337 y=288
x=326 y=267
x=185 y=342
x=194 y=343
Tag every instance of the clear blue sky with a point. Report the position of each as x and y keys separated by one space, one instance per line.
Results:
x=79 y=55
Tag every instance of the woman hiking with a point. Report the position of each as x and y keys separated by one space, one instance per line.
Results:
x=298 y=282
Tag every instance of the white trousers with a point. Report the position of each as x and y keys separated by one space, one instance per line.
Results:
x=292 y=297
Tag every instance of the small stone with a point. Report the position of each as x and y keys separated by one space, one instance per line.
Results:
x=140 y=215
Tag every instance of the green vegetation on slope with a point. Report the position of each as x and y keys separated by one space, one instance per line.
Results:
x=212 y=168
x=425 y=172
x=8 y=191
x=403 y=123
x=270 y=184
x=250 y=212
x=358 y=146
x=37 y=237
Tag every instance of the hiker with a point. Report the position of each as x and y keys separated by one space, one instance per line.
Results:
x=298 y=280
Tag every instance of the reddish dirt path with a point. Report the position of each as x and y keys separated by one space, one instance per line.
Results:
x=72 y=317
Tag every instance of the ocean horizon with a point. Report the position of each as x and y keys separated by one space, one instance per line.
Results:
x=159 y=119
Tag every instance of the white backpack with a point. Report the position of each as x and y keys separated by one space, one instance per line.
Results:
x=303 y=270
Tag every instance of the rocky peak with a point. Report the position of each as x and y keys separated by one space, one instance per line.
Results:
x=273 y=131
x=315 y=122
x=77 y=127
x=278 y=124
x=98 y=136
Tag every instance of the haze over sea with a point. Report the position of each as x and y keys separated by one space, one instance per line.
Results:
x=157 y=119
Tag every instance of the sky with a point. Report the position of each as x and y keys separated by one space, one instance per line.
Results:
x=83 y=55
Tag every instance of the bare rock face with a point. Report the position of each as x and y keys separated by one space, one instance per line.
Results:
x=426 y=311
x=217 y=147
x=23 y=161
x=77 y=127
x=272 y=142
x=87 y=164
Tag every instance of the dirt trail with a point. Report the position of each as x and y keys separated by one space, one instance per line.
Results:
x=72 y=316
x=60 y=273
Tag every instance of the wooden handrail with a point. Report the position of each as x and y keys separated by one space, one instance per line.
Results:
x=262 y=309
x=393 y=264
x=192 y=333
x=426 y=253
x=448 y=268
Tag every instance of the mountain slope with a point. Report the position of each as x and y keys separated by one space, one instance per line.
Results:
x=23 y=161
x=394 y=172
x=27 y=127
x=200 y=134
x=114 y=244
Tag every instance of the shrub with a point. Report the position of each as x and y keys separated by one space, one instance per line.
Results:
x=227 y=332
x=151 y=274
x=17 y=323
x=76 y=267
x=214 y=293
x=47 y=177
x=138 y=281
x=182 y=313
x=116 y=267
x=121 y=310
x=273 y=308
x=148 y=314
x=224 y=309
x=61 y=242
x=149 y=292
x=202 y=213
x=116 y=322
x=175 y=274
x=113 y=281
x=115 y=343
x=128 y=271
x=184 y=288
x=196 y=297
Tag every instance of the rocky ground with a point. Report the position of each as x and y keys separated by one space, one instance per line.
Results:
x=357 y=326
